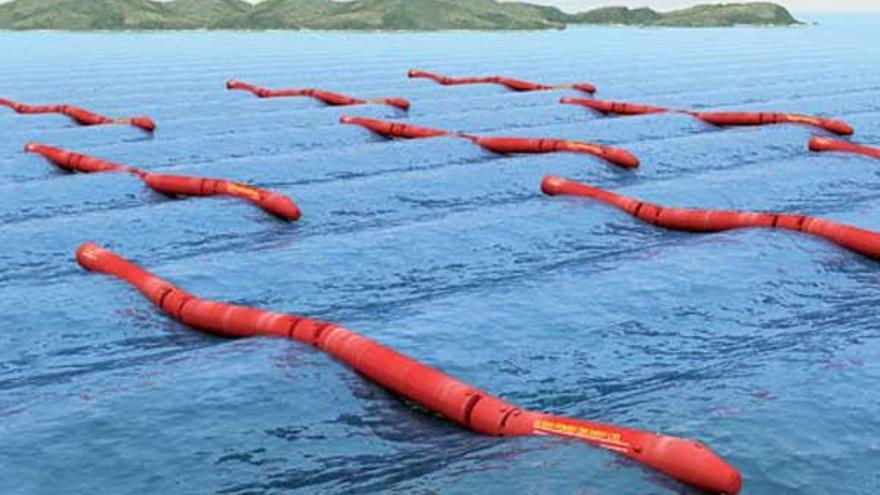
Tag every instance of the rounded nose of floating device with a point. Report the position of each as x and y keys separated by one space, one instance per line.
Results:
x=585 y=87
x=281 y=206
x=818 y=143
x=821 y=144
x=397 y=102
x=691 y=462
x=93 y=257
x=31 y=147
x=621 y=157
x=617 y=156
x=144 y=123
x=837 y=126
x=236 y=84
x=551 y=185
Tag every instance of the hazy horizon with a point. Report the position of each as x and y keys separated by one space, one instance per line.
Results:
x=793 y=5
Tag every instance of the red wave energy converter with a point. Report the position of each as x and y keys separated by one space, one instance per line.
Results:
x=767 y=118
x=495 y=144
x=721 y=119
x=79 y=115
x=514 y=84
x=607 y=107
x=328 y=97
x=610 y=154
x=394 y=129
x=864 y=242
x=173 y=185
x=685 y=460
x=819 y=144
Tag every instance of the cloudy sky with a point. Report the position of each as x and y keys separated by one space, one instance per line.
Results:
x=795 y=5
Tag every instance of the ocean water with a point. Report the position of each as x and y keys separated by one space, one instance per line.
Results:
x=763 y=344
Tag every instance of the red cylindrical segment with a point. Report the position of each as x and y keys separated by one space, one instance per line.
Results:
x=688 y=461
x=263 y=92
x=855 y=239
x=393 y=129
x=827 y=144
x=394 y=102
x=831 y=125
x=179 y=185
x=423 y=74
x=435 y=390
x=864 y=242
x=493 y=416
x=611 y=154
x=450 y=81
x=97 y=259
x=285 y=93
x=585 y=87
x=274 y=203
x=498 y=144
x=243 y=86
x=38 y=109
x=31 y=109
x=737 y=118
x=84 y=117
x=616 y=156
x=74 y=162
x=613 y=107
x=257 y=91
x=331 y=98
x=144 y=123
x=685 y=460
x=227 y=320
x=520 y=85
x=552 y=185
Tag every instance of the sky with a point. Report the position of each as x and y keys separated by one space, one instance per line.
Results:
x=793 y=5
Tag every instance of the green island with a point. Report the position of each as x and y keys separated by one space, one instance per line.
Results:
x=366 y=15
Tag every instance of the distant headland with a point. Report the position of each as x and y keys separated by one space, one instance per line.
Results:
x=364 y=15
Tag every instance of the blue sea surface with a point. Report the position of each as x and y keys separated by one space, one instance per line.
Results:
x=763 y=344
